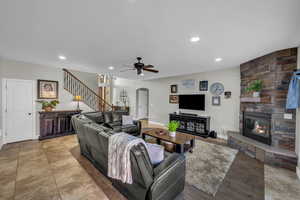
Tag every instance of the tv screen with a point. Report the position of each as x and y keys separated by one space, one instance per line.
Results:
x=192 y=102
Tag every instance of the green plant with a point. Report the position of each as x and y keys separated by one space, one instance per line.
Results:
x=173 y=125
x=51 y=104
x=255 y=86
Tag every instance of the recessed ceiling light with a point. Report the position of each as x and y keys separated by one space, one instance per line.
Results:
x=61 y=57
x=218 y=59
x=195 y=39
x=111 y=67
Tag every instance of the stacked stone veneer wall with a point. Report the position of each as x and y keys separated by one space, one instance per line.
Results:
x=275 y=70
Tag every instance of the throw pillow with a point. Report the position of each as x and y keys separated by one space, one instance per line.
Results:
x=127 y=120
x=156 y=153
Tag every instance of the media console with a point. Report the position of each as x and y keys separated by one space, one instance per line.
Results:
x=192 y=124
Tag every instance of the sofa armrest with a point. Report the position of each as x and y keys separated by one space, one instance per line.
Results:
x=138 y=123
x=169 y=178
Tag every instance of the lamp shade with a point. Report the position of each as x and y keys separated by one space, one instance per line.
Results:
x=77 y=98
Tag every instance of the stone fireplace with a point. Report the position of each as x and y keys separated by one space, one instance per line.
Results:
x=265 y=133
x=257 y=126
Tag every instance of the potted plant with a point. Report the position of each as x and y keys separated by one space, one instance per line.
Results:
x=255 y=87
x=48 y=106
x=172 y=127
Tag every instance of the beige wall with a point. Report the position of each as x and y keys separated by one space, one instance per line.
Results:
x=28 y=71
x=224 y=117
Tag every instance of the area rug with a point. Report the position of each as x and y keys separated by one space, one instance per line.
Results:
x=207 y=166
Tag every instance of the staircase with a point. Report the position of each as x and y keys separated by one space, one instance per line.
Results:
x=77 y=88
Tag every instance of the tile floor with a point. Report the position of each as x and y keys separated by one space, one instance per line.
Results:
x=54 y=170
x=45 y=171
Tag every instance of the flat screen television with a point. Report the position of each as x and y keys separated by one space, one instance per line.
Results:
x=192 y=101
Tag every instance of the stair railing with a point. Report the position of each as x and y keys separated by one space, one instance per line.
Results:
x=77 y=88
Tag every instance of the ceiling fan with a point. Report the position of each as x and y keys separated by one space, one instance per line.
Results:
x=140 y=67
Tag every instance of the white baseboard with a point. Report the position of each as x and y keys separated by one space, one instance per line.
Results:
x=157 y=123
x=298 y=171
x=221 y=136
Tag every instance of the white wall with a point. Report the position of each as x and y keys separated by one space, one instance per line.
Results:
x=20 y=70
x=89 y=79
x=224 y=117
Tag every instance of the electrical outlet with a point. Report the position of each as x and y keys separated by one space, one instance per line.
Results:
x=288 y=116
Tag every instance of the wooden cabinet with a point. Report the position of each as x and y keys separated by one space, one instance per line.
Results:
x=196 y=125
x=121 y=108
x=56 y=123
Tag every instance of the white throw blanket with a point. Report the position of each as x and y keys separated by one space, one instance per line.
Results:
x=119 y=164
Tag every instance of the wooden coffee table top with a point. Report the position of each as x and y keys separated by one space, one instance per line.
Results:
x=181 y=138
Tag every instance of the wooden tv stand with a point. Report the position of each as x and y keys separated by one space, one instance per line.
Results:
x=192 y=124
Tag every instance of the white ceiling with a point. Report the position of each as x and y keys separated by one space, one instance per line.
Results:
x=95 y=34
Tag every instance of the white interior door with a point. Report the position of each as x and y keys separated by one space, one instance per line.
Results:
x=142 y=104
x=19 y=110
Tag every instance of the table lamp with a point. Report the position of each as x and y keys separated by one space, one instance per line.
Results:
x=78 y=99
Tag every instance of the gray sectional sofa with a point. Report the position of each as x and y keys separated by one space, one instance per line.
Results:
x=162 y=182
x=113 y=120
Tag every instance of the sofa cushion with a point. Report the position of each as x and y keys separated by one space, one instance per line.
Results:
x=107 y=117
x=130 y=128
x=100 y=128
x=95 y=116
x=117 y=116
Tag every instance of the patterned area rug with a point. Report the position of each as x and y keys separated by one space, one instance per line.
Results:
x=207 y=166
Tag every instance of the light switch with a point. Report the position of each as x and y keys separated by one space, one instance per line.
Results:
x=288 y=116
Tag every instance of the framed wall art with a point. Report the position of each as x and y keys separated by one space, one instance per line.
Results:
x=173 y=88
x=188 y=84
x=47 y=89
x=203 y=85
x=174 y=99
x=227 y=94
x=216 y=101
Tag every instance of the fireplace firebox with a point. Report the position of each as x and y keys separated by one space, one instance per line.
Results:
x=257 y=126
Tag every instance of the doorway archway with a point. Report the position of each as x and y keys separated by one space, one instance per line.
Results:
x=142 y=103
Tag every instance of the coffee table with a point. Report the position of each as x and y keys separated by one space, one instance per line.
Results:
x=179 y=140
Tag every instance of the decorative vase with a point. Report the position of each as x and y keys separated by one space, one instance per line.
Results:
x=256 y=94
x=48 y=109
x=172 y=133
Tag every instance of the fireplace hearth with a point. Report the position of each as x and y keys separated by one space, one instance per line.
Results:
x=257 y=126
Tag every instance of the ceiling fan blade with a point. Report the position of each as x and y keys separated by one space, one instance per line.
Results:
x=125 y=70
x=151 y=70
x=148 y=66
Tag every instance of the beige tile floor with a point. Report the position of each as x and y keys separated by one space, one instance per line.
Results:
x=45 y=170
